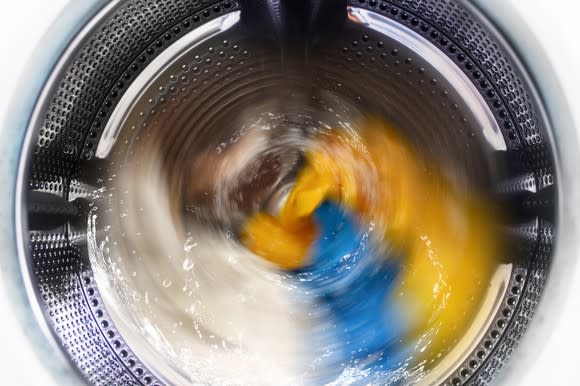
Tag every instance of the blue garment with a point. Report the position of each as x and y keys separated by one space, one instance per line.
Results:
x=351 y=285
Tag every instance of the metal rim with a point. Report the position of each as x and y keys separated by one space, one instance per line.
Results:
x=20 y=218
x=533 y=63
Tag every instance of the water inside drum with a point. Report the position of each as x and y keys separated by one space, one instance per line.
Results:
x=203 y=129
x=219 y=132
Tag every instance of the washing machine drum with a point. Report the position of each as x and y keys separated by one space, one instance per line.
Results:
x=195 y=77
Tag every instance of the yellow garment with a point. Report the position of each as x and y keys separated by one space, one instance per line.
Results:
x=284 y=245
x=445 y=237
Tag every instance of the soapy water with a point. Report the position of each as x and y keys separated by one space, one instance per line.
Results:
x=294 y=255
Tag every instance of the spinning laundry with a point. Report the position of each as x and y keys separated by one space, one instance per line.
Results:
x=393 y=255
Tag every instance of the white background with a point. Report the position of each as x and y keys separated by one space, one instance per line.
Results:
x=23 y=22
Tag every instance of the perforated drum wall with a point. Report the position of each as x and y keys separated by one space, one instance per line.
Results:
x=61 y=160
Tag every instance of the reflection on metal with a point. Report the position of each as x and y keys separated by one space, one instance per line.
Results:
x=441 y=62
x=152 y=72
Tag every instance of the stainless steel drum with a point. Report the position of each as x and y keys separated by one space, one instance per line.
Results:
x=185 y=71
